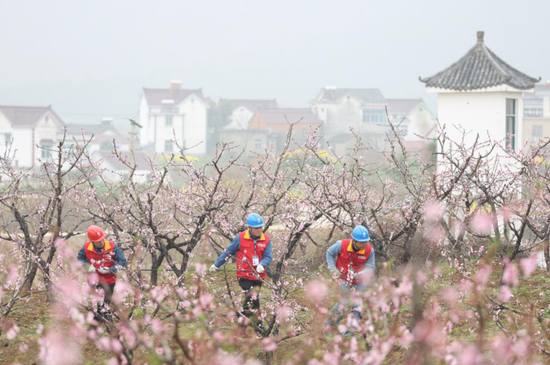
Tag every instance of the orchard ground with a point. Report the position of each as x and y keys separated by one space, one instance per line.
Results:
x=32 y=311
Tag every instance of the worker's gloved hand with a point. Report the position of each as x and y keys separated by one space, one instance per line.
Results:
x=91 y=268
x=213 y=268
x=103 y=270
x=260 y=269
x=345 y=283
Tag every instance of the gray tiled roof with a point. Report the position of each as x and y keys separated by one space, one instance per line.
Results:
x=480 y=68
x=28 y=116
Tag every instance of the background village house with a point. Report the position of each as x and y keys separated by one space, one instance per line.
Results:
x=102 y=136
x=341 y=109
x=31 y=132
x=232 y=115
x=242 y=110
x=173 y=113
x=413 y=118
x=268 y=128
x=364 y=111
x=536 y=114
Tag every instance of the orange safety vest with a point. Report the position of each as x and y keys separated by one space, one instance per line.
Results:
x=348 y=258
x=247 y=250
x=103 y=259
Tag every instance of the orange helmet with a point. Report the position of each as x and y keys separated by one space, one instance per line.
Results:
x=95 y=234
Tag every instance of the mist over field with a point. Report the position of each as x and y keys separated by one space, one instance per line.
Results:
x=281 y=182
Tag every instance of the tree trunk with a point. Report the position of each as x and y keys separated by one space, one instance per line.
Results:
x=418 y=352
x=155 y=265
x=46 y=270
x=409 y=246
x=49 y=285
x=183 y=267
x=30 y=278
x=547 y=255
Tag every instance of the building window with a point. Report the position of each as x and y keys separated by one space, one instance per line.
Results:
x=511 y=124
x=374 y=115
x=258 y=145
x=45 y=151
x=272 y=145
x=533 y=112
x=168 y=121
x=536 y=133
x=168 y=146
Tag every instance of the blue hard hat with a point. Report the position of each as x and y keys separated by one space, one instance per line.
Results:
x=360 y=234
x=254 y=220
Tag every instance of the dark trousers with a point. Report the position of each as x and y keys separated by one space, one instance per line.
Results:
x=251 y=288
x=108 y=290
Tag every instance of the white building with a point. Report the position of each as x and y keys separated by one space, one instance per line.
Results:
x=341 y=109
x=32 y=133
x=481 y=94
x=364 y=111
x=242 y=111
x=536 y=114
x=173 y=114
x=413 y=118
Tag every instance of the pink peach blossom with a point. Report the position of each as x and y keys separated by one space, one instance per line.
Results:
x=529 y=265
x=481 y=223
x=505 y=294
x=316 y=291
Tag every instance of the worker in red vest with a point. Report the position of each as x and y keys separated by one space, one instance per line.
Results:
x=102 y=257
x=353 y=263
x=254 y=254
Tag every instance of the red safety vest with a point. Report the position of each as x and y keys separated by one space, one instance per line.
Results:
x=103 y=259
x=348 y=258
x=246 y=252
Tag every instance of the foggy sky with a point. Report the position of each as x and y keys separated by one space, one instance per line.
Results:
x=91 y=58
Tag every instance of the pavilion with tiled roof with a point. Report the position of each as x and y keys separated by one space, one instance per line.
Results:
x=481 y=98
x=479 y=69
